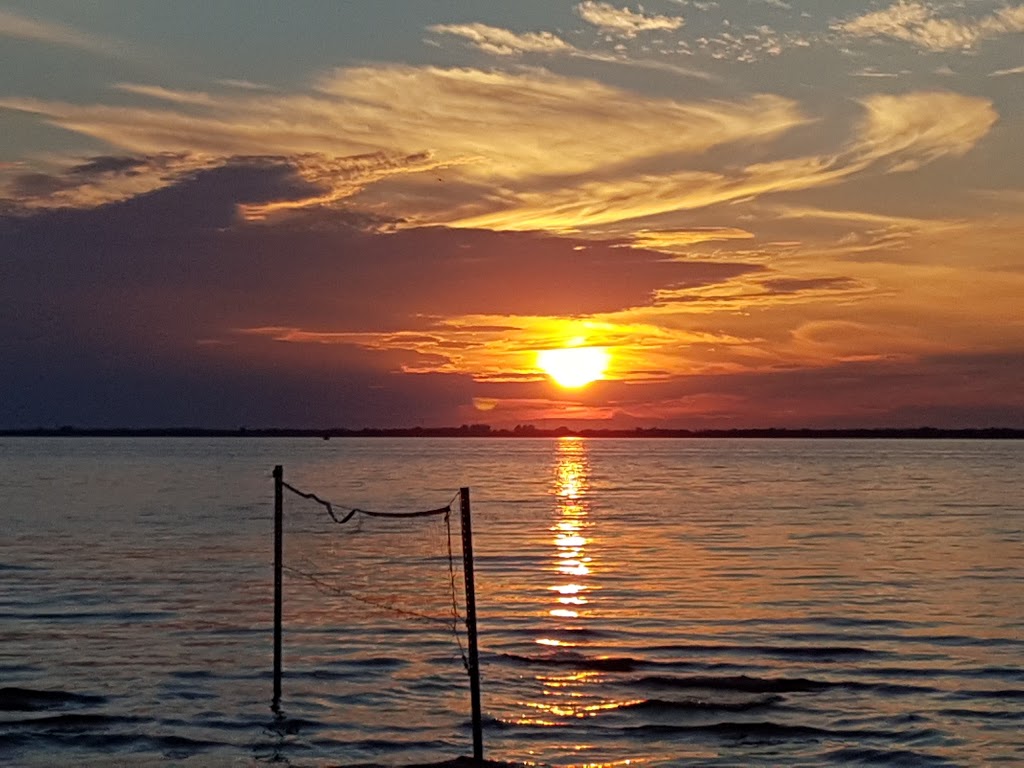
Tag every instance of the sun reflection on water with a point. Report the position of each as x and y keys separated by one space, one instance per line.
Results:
x=572 y=559
x=572 y=694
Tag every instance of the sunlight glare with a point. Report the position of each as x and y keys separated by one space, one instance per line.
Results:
x=574 y=367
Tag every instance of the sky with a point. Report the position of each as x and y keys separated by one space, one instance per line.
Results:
x=331 y=213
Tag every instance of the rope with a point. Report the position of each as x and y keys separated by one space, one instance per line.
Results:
x=356 y=511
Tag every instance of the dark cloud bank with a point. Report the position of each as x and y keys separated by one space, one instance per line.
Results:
x=127 y=314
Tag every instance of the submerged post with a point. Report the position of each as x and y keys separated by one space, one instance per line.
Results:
x=278 y=551
x=474 y=658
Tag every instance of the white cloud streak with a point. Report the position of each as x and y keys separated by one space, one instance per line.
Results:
x=504 y=42
x=623 y=22
x=20 y=27
x=1010 y=71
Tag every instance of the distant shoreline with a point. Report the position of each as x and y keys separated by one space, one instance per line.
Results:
x=484 y=431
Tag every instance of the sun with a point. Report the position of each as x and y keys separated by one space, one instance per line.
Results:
x=574 y=367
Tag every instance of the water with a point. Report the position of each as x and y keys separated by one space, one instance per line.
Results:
x=687 y=602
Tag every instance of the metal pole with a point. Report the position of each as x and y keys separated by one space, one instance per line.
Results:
x=278 y=550
x=474 y=658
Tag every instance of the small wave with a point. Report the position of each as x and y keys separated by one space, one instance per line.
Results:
x=30 y=700
x=890 y=689
x=580 y=661
x=570 y=633
x=456 y=762
x=1016 y=694
x=700 y=705
x=767 y=731
x=1000 y=673
x=108 y=743
x=289 y=726
x=814 y=652
x=72 y=721
x=377 y=745
x=855 y=621
x=76 y=616
x=191 y=674
x=982 y=714
x=868 y=756
x=10 y=669
x=741 y=683
x=187 y=694
x=390 y=662
x=747 y=684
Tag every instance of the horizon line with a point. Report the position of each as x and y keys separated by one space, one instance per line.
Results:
x=521 y=431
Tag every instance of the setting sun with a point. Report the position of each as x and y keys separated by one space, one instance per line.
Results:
x=574 y=366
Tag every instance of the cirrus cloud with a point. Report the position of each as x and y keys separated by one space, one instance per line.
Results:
x=623 y=22
x=505 y=150
x=920 y=24
x=14 y=25
x=504 y=42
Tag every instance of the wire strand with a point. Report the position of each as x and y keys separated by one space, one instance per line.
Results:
x=456 y=618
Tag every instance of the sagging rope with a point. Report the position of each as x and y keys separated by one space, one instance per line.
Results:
x=445 y=510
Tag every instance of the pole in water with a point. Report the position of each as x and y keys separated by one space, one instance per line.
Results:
x=474 y=658
x=278 y=550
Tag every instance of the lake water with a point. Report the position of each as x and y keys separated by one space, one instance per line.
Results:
x=642 y=602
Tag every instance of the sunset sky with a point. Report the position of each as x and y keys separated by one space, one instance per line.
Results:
x=378 y=213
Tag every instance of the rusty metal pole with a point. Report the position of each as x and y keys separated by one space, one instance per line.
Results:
x=278 y=552
x=474 y=658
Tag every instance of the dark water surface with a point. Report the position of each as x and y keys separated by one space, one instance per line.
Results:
x=650 y=602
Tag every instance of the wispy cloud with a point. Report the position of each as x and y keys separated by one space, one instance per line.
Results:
x=247 y=85
x=623 y=22
x=504 y=42
x=26 y=28
x=525 y=150
x=1010 y=71
x=911 y=130
x=897 y=134
x=921 y=25
x=872 y=72
x=160 y=93
x=669 y=239
x=496 y=134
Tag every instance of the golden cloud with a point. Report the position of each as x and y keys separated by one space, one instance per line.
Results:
x=504 y=42
x=515 y=150
x=913 y=129
x=497 y=133
x=668 y=239
x=624 y=22
x=919 y=24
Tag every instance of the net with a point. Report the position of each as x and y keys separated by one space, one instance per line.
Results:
x=369 y=590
